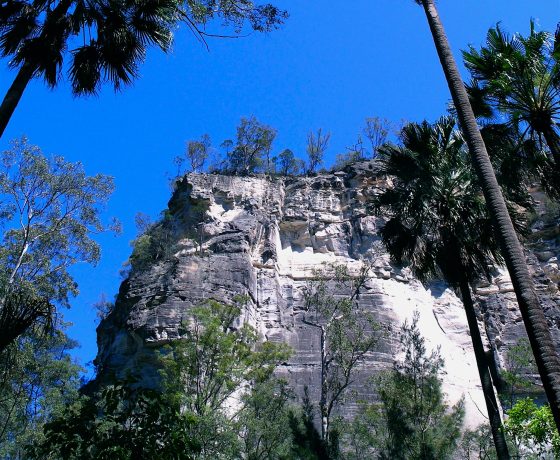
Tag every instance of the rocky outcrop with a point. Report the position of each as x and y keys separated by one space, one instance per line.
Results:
x=262 y=237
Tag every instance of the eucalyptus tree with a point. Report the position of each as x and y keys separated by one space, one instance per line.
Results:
x=534 y=319
x=376 y=131
x=198 y=151
x=439 y=224
x=251 y=151
x=411 y=419
x=519 y=77
x=38 y=379
x=105 y=41
x=221 y=374
x=347 y=333
x=217 y=398
x=317 y=144
x=288 y=164
x=50 y=211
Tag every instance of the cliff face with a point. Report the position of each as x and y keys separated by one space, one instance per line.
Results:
x=262 y=238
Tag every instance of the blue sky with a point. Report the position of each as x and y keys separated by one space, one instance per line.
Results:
x=330 y=66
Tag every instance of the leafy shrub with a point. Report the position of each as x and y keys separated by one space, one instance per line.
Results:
x=532 y=429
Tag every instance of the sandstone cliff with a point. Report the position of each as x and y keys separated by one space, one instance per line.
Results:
x=262 y=237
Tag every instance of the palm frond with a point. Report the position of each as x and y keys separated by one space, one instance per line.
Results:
x=437 y=217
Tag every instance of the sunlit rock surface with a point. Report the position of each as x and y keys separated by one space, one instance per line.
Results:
x=262 y=238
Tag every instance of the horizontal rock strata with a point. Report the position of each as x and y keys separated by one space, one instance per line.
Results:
x=262 y=238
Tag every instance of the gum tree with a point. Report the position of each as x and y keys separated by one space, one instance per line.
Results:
x=50 y=211
x=347 y=334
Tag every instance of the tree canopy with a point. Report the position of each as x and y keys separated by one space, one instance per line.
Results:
x=49 y=213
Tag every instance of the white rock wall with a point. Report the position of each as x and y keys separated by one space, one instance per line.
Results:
x=263 y=238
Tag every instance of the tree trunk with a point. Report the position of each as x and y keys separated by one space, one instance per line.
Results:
x=323 y=400
x=553 y=141
x=13 y=96
x=484 y=373
x=531 y=311
x=28 y=69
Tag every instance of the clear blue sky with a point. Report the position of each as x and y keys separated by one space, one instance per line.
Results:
x=330 y=66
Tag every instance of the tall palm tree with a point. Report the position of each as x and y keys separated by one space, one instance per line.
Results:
x=520 y=77
x=112 y=37
x=533 y=316
x=439 y=225
x=118 y=32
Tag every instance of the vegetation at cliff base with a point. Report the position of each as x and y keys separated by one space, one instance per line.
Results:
x=412 y=420
x=253 y=319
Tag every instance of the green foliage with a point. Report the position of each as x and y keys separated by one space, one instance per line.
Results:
x=533 y=430
x=307 y=443
x=251 y=152
x=439 y=222
x=50 y=210
x=207 y=373
x=516 y=77
x=288 y=165
x=317 y=144
x=196 y=153
x=510 y=155
x=346 y=331
x=236 y=13
x=477 y=444
x=412 y=419
x=519 y=362
x=113 y=39
x=120 y=422
x=38 y=379
x=44 y=37
x=218 y=399
x=103 y=307
x=264 y=420
x=376 y=131
x=155 y=242
x=347 y=158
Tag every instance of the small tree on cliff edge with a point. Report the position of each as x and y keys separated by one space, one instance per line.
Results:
x=251 y=152
x=288 y=165
x=317 y=144
x=196 y=153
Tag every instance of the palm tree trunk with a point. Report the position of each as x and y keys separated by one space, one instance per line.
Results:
x=13 y=96
x=542 y=345
x=484 y=373
x=29 y=67
x=553 y=141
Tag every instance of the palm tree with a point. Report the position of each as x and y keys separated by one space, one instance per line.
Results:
x=519 y=162
x=519 y=76
x=533 y=316
x=439 y=225
x=118 y=34
x=112 y=35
